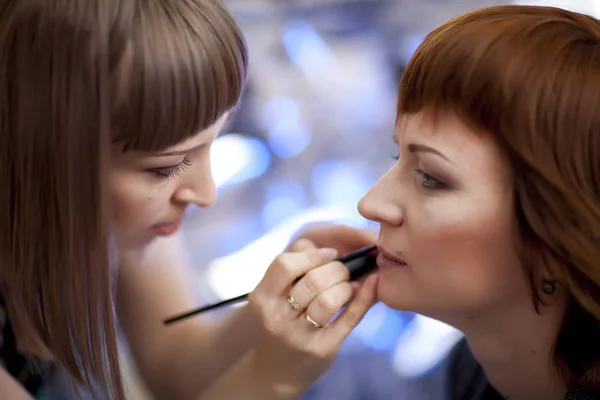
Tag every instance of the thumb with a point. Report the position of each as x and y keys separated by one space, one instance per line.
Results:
x=339 y=329
x=301 y=244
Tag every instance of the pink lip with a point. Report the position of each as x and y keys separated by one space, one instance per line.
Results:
x=166 y=229
x=386 y=260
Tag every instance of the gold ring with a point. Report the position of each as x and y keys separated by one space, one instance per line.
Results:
x=312 y=321
x=293 y=303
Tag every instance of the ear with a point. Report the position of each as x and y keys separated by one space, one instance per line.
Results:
x=551 y=291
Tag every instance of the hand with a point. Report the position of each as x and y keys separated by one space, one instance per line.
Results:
x=293 y=352
x=343 y=238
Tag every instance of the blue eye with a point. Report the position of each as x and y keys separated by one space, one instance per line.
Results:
x=171 y=171
x=429 y=182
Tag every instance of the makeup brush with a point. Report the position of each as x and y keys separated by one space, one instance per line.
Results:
x=359 y=263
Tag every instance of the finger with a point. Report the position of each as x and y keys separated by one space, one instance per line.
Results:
x=318 y=280
x=355 y=288
x=287 y=267
x=301 y=245
x=329 y=302
x=339 y=329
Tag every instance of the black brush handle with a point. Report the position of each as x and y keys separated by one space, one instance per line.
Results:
x=361 y=266
x=359 y=262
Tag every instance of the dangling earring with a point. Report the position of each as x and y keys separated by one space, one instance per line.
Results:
x=548 y=287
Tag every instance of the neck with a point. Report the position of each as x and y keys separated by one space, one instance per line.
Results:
x=516 y=352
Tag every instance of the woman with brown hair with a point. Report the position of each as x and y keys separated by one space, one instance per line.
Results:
x=107 y=112
x=490 y=218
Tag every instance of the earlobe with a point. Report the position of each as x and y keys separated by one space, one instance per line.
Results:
x=548 y=287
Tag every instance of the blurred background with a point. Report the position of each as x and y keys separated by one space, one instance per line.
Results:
x=313 y=133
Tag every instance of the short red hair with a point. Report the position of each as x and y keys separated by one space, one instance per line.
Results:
x=530 y=77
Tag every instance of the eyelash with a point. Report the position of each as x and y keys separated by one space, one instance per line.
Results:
x=167 y=173
x=427 y=181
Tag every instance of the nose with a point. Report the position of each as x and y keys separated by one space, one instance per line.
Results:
x=198 y=186
x=382 y=203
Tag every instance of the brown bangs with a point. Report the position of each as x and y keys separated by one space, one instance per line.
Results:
x=184 y=66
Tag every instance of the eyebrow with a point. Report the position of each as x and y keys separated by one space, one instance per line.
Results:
x=179 y=152
x=421 y=148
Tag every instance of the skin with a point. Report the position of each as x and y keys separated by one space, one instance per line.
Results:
x=150 y=191
x=446 y=210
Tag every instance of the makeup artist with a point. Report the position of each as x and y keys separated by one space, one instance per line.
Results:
x=108 y=109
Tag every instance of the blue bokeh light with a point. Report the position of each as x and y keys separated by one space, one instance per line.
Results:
x=287 y=140
x=382 y=326
x=280 y=108
x=287 y=188
x=340 y=182
x=259 y=160
x=278 y=210
x=245 y=230
x=305 y=47
x=287 y=135
x=283 y=200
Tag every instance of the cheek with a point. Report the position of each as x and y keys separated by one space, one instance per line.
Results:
x=468 y=247
x=462 y=258
x=136 y=203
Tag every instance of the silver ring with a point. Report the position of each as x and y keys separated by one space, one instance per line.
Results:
x=312 y=322
x=293 y=303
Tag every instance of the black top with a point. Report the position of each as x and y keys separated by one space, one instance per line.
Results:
x=42 y=380
x=468 y=380
x=25 y=370
x=360 y=373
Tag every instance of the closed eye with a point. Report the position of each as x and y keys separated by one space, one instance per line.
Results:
x=171 y=171
x=429 y=182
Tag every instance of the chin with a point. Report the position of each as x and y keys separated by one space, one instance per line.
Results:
x=394 y=296
x=144 y=240
x=406 y=297
x=133 y=242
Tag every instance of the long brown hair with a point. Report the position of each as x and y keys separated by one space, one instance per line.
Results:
x=76 y=76
x=530 y=77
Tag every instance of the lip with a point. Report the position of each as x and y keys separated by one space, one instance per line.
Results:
x=167 y=229
x=386 y=260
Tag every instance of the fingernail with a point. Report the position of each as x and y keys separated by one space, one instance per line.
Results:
x=328 y=253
